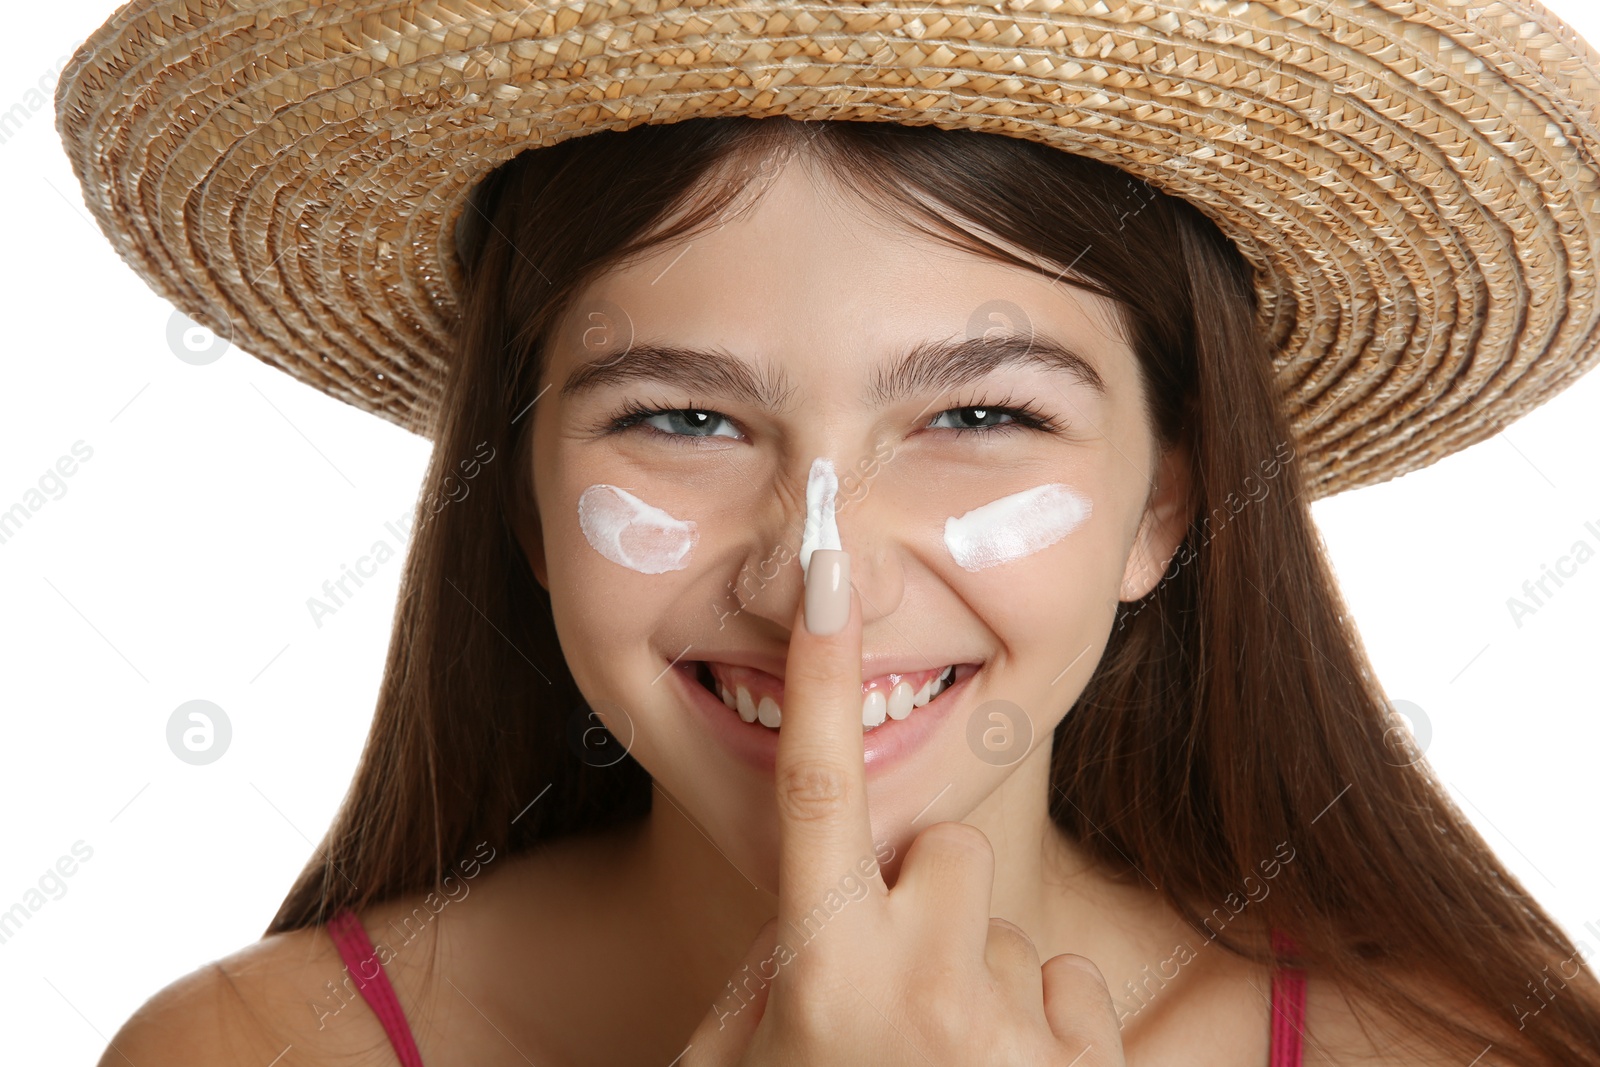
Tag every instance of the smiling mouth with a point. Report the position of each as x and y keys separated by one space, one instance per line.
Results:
x=758 y=697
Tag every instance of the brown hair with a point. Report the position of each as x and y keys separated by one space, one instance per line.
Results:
x=1233 y=734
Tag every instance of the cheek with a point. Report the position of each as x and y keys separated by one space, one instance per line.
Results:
x=632 y=533
x=618 y=562
x=1016 y=526
x=1042 y=565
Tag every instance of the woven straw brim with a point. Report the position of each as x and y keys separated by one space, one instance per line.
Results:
x=1415 y=183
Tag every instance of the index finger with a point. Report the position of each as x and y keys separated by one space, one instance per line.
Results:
x=824 y=832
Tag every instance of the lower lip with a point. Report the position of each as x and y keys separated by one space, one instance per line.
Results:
x=882 y=748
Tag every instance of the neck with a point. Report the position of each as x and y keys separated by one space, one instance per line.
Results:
x=665 y=918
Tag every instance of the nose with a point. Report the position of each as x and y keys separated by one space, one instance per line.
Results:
x=771 y=582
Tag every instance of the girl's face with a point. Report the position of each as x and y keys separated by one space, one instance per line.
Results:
x=976 y=537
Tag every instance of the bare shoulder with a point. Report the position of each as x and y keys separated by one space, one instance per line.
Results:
x=1347 y=1030
x=289 y=1000
x=259 y=1005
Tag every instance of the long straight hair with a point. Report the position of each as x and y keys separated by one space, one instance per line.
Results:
x=1233 y=748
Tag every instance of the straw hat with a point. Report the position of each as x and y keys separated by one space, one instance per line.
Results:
x=1416 y=182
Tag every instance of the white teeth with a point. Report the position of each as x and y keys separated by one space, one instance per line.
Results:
x=877 y=705
x=873 y=707
x=933 y=687
x=900 y=700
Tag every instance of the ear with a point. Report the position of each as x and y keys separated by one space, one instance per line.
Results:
x=530 y=532
x=1162 y=526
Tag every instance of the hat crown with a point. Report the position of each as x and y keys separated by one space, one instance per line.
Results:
x=1416 y=184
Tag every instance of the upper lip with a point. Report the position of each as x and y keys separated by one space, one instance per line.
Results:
x=871 y=666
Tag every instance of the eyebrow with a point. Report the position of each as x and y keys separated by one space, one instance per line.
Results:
x=929 y=366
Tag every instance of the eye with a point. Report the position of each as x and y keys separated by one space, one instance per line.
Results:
x=671 y=422
x=981 y=418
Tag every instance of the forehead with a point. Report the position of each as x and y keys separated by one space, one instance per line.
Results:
x=808 y=275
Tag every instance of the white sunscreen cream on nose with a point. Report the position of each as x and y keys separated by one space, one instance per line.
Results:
x=626 y=530
x=1014 y=526
x=822 y=531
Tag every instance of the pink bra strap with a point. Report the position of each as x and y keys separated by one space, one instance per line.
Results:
x=1288 y=1007
x=357 y=952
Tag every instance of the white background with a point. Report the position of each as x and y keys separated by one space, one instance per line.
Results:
x=218 y=498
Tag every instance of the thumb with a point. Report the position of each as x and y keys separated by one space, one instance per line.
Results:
x=724 y=1031
x=1078 y=1006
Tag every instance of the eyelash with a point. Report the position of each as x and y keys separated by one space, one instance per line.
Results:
x=1024 y=415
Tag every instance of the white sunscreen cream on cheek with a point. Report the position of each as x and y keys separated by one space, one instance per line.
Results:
x=822 y=530
x=626 y=530
x=1014 y=526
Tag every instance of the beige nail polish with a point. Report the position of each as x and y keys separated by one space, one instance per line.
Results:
x=828 y=591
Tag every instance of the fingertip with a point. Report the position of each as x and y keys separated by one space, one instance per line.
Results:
x=1070 y=980
x=1082 y=963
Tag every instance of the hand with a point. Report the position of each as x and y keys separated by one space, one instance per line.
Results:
x=916 y=977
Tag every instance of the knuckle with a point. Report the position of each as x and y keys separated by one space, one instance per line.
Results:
x=809 y=679
x=812 y=790
x=943 y=1010
x=805 y=1015
x=808 y=1008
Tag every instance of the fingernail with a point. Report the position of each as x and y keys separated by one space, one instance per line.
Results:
x=828 y=591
